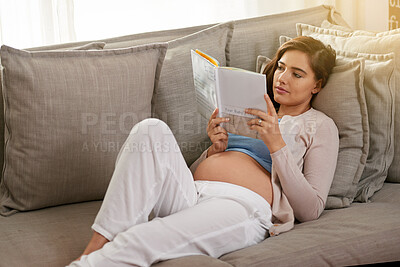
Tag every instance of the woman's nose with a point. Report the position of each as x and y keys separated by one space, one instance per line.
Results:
x=282 y=77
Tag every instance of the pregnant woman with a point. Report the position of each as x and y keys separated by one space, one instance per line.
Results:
x=240 y=190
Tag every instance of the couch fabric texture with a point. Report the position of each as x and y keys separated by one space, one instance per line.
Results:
x=174 y=99
x=83 y=46
x=94 y=97
x=364 y=42
x=62 y=109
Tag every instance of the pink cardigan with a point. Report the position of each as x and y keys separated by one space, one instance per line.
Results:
x=303 y=170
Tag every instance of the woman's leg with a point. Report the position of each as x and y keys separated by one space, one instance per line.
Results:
x=150 y=173
x=226 y=218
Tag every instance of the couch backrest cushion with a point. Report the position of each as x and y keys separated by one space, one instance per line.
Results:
x=345 y=89
x=96 y=45
x=130 y=40
x=151 y=37
x=260 y=36
x=381 y=101
x=175 y=100
x=67 y=113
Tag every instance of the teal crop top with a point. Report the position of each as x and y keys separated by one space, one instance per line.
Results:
x=255 y=148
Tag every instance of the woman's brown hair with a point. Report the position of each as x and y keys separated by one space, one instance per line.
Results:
x=322 y=60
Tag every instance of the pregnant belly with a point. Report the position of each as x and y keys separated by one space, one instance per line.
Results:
x=236 y=168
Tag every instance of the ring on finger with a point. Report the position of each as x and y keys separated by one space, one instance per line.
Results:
x=259 y=122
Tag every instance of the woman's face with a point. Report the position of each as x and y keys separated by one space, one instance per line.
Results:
x=294 y=80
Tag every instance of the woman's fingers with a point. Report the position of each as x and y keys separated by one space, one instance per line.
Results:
x=263 y=123
x=270 y=106
x=256 y=112
x=214 y=114
x=220 y=137
x=217 y=130
x=261 y=114
x=216 y=122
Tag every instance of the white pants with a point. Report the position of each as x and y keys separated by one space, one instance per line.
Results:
x=201 y=217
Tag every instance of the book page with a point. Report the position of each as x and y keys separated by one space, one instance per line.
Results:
x=204 y=83
x=237 y=90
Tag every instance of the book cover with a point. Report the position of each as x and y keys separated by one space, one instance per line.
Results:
x=232 y=90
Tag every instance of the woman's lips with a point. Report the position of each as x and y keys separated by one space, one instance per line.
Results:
x=280 y=90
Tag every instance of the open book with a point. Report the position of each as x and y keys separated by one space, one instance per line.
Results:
x=232 y=90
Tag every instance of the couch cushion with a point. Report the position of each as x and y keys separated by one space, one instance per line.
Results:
x=130 y=40
x=82 y=46
x=175 y=100
x=389 y=193
x=58 y=235
x=380 y=102
x=67 y=113
x=327 y=25
x=260 y=36
x=394 y=169
x=151 y=37
x=345 y=88
x=363 y=233
x=48 y=237
x=378 y=82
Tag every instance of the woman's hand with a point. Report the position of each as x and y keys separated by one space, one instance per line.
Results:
x=267 y=126
x=217 y=134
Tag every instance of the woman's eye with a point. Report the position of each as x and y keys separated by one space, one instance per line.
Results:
x=297 y=75
x=279 y=68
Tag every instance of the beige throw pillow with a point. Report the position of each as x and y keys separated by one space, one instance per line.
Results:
x=384 y=139
x=344 y=101
x=67 y=114
x=327 y=25
x=89 y=46
x=345 y=90
x=379 y=90
x=394 y=169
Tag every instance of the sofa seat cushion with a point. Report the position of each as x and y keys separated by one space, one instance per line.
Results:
x=56 y=236
x=47 y=237
x=390 y=193
x=363 y=233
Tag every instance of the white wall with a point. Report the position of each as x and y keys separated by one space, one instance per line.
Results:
x=28 y=23
x=370 y=15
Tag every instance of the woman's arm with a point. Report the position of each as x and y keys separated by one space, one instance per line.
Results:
x=307 y=191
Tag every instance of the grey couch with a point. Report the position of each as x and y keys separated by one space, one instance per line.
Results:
x=49 y=230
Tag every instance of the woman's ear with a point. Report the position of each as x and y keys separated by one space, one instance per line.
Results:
x=317 y=88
